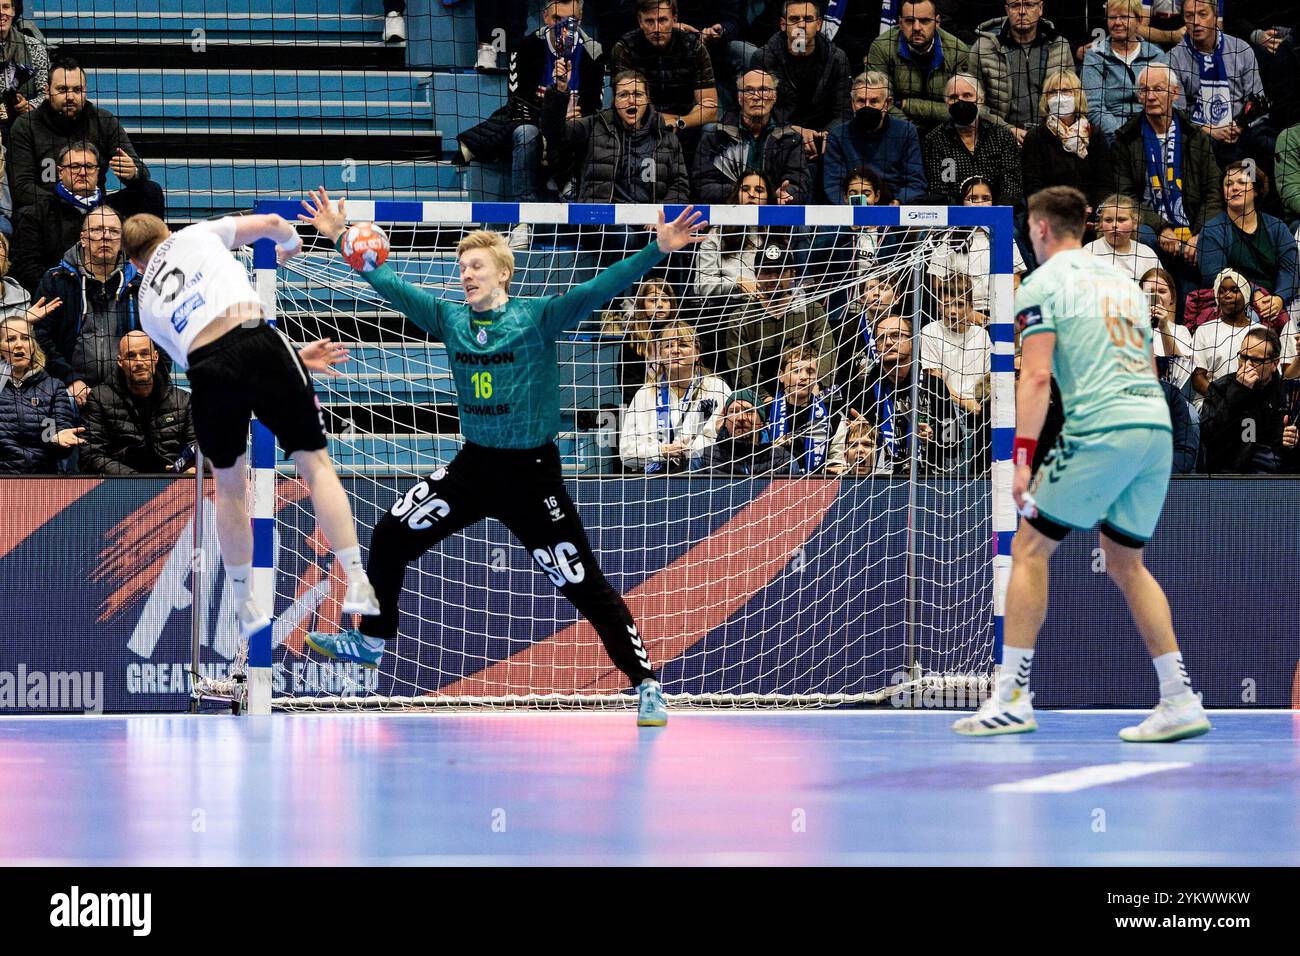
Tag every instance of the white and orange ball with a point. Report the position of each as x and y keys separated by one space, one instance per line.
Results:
x=364 y=246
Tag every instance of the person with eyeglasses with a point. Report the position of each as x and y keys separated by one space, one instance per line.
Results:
x=1013 y=57
x=1246 y=422
x=1167 y=162
x=96 y=290
x=812 y=76
x=1216 y=343
x=1112 y=64
x=752 y=140
x=68 y=116
x=919 y=57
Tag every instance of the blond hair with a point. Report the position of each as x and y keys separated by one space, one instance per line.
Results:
x=861 y=428
x=1132 y=7
x=1069 y=82
x=141 y=235
x=38 y=353
x=496 y=247
x=636 y=325
x=1119 y=201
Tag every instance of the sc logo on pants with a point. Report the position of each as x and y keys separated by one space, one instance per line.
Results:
x=561 y=564
x=418 y=510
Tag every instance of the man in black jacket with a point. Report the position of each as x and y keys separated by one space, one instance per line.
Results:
x=751 y=140
x=514 y=131
x=67 y=116
x=97 y=290
x=812 y=76
x=743 y=447
x=676 y=66
x=136 y=421
x=56 y=221
x=1245 y=428
x=885 y=399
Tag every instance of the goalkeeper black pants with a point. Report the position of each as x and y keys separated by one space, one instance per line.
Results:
x=523 y=489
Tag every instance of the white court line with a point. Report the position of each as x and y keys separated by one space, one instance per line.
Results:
x=1081 y=778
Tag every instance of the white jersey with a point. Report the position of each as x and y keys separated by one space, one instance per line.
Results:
x=191 y=280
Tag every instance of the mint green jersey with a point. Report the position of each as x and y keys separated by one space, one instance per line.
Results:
x=504 y=361
x=1102 y=360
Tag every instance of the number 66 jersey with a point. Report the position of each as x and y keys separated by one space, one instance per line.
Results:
x=190 y=281
x=1102 y=359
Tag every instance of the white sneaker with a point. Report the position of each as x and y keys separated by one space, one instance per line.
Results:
x=394 y=28
x=996 y=717
x=1171 y=720
x=519 y=236
x=487 y=57
x=360 y=599
x=251 y=619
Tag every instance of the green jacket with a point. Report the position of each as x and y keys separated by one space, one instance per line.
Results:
x=1202 y=179
x=1286 y=168
x=921 y=85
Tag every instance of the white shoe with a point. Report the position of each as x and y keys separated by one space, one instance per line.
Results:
x=394 y=28
x=998 y=717
x=360 y=599
x=519 y=236
x=251 y=619
x=487 y=57
x=1171 y=720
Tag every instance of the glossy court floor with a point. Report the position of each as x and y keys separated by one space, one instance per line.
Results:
x=868 y=788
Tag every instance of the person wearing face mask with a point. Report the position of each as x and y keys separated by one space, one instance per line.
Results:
x=874 y=137
x=1013 y=57
x=1064 y=150
x=967 y=145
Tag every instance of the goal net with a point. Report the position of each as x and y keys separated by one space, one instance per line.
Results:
x=846 y=544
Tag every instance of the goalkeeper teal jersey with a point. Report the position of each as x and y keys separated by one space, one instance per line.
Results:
x=504 y=360
x=1102 y=359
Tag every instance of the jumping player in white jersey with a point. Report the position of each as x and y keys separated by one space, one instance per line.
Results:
x=196 y=302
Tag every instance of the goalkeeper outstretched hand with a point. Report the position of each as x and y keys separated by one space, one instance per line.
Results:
x=682 y=231
x=329 y=220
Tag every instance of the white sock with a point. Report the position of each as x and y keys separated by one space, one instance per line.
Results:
x=1016 y=662
x=1172 y=674
x=350 y=558
x=240 y=577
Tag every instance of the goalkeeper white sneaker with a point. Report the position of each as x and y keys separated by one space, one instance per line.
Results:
x=251 y=619
x=998 y=717
x=394 y=28
x=360 y=599
x=1172 y=720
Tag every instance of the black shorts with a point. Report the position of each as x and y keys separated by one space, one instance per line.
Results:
x=252 y=370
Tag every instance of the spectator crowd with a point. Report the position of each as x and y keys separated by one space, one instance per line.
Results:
x=771 y=349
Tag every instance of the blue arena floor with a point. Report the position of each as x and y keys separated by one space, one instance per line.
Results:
x=864 y=788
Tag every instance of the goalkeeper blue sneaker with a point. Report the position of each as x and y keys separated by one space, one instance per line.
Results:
x=650 y=711
x=351 y=646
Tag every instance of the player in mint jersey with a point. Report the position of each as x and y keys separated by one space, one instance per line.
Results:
x=1083 y=320
x=502 y=352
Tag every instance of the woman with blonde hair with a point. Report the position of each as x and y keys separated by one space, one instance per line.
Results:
x=30 y=399
x=1064 y=151
x=674 y=416
x=652 y=305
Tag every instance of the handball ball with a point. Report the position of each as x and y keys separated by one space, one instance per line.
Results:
x=365 y=246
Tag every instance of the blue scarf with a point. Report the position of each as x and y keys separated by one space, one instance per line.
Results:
x=1211 y=110
x=574 y=56
x=888 y=14
x=936 y=53
x=873 y=354
x=1164 y=190
x=885 y=417
x=815 y=443
x=664 y=418
x=84 y=203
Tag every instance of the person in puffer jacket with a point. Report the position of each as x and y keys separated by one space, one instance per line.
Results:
x=623 y=154
x=14 y=299
x=98 y=290
x=137 y=421
x=37 y=429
